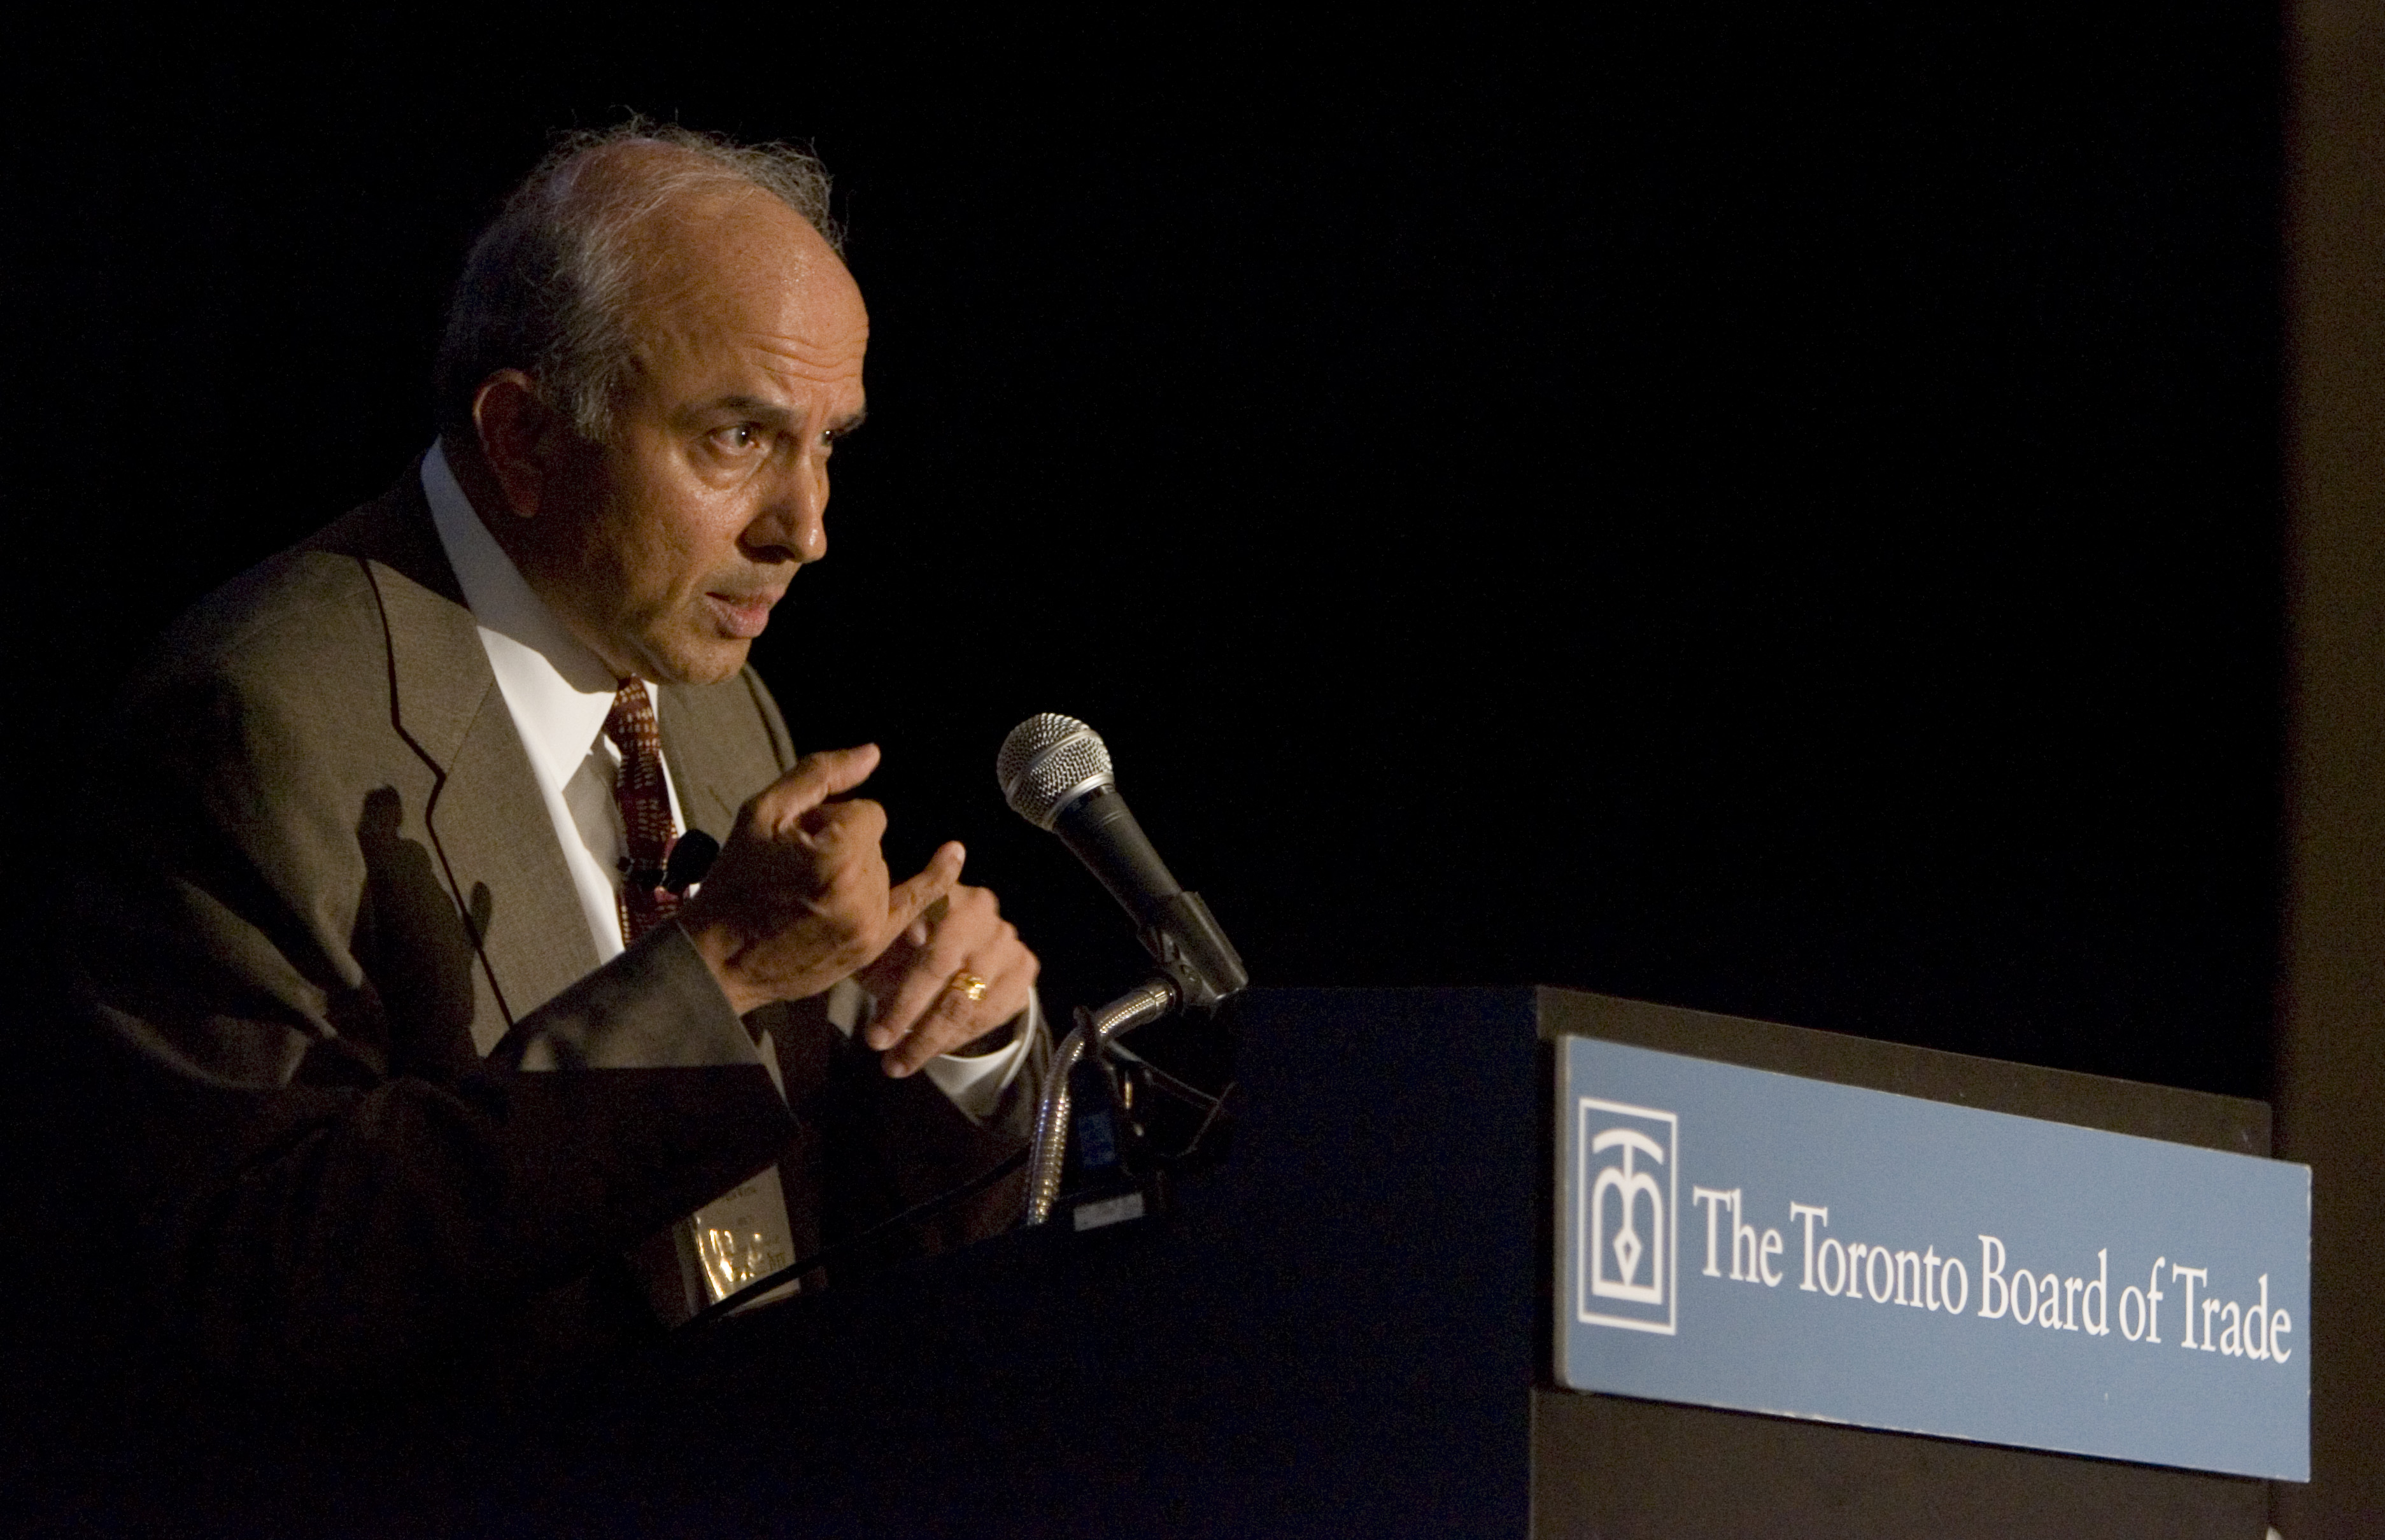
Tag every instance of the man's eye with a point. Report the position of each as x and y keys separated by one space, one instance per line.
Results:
x=742 y=439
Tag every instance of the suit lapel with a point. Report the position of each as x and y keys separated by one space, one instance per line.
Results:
x=487 y=817
x=716 y=758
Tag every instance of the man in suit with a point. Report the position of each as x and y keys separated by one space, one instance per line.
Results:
x=416 y=1058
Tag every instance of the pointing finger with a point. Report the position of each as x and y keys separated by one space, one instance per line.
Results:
x=913 y=899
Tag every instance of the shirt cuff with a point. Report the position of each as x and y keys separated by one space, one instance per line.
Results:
x=974 y=1083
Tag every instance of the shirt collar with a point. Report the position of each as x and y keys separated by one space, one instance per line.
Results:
x=558 y=692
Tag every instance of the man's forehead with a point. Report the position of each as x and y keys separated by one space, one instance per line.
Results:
x=731 y=234
x=749 y=275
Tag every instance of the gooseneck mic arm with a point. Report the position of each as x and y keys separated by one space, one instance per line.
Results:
x=1047 y=1151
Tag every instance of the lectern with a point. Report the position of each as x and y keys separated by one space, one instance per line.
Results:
x=1346 y=1328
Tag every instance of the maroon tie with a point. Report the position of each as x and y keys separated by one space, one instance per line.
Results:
x=645 y=811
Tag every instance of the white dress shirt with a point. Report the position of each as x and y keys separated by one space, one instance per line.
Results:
x=559 y=694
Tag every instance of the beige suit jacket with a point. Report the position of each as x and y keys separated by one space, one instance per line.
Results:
x=377 y=1106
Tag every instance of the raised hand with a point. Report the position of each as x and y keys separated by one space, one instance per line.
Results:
x=800 y=896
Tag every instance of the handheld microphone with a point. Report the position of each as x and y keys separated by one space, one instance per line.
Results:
x=1055 y=772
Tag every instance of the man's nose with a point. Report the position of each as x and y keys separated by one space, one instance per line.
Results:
x=793 y=524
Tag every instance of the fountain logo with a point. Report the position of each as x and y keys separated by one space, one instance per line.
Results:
x=1626 y=1230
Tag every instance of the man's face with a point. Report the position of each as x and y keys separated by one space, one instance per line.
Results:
x=665 y=548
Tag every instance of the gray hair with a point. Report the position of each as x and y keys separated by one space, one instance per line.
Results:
x=546 y=287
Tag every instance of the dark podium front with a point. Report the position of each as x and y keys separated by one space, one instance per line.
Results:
x=1344 y=1329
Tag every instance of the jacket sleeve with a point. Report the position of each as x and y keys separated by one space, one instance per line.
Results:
x=326 y=1182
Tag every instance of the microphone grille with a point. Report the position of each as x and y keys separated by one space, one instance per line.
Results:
x=1047 y=762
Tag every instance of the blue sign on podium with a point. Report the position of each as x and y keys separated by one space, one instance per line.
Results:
x=1738 y=1238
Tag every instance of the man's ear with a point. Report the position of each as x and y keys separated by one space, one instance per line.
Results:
x=518 y=434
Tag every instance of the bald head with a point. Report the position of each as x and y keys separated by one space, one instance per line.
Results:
x=550 y=287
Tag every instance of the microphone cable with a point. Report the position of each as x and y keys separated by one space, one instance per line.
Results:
x=729 y=1304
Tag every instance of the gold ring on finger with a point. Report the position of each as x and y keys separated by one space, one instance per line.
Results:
x=969 y=984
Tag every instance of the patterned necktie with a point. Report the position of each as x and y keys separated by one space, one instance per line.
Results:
x=645 y=802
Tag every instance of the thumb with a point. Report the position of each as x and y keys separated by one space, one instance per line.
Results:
x=815 y=779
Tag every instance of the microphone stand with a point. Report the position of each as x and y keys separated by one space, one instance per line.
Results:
x=1055 y=772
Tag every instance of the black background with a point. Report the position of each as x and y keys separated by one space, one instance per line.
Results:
x=1777 y=515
